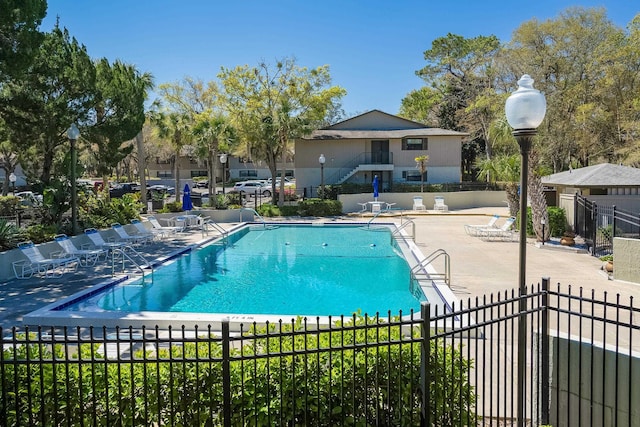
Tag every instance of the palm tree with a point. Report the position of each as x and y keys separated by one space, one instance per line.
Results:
x=421 y=164
x=504 y=169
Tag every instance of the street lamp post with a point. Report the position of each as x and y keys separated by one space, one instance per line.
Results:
x=223 y=160
x=322 y=159
x=525 y=110
x=12 y=179
x=73 y=133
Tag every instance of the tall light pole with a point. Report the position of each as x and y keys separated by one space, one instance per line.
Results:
x=223 y=160
x=73 y=134
x=322 y=159
x=12 y=179
x=525 y=110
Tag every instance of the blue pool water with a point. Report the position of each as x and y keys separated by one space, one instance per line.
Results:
x=288 y=269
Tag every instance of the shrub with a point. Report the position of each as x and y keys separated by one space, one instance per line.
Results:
x=319 y=207
x=269 y=210
x=321 y=378
x=41 y=233
x=9 y=205
x=173 y=206
x=100 y=212
x=10 y=235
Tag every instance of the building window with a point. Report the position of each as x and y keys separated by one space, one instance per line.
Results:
x=248 y=173
x=160 y=161
x=195 y=173
x=164 y=174
x=415 y=144
x=413 y=175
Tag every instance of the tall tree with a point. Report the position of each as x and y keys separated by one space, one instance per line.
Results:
x=272 y=105
x=461 y=70
x=121 y=91
x=19 y=35
x=58 y=90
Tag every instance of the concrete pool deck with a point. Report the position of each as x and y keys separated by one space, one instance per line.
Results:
x=478 y=267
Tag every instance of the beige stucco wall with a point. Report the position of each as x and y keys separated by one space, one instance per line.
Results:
x=456 y=200
x=626 y=253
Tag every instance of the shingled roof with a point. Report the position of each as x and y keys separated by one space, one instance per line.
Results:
x=602 y=175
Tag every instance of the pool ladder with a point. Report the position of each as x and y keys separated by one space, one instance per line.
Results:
x=419 y=271
x=255 y=213
x=404 y=224
x=211 y=224
x=129 y=256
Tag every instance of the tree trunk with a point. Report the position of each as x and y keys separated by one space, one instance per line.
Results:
x=142 y=167
x=176 y=171
x=537 y=200
x=513 y=199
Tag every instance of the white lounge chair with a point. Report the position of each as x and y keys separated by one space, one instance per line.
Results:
x=99 y=242
x=474 y=230
x=502 y=233
x=37 y=263
x=144 y=231
x=417 y=204
x=439 y=204
x=134 y=239
x=167 y=229
x=87 y=257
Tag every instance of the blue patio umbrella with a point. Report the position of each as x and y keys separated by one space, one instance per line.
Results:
x=375 y=188
x=187 y=205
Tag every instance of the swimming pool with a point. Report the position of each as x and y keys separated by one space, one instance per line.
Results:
x=263 y=271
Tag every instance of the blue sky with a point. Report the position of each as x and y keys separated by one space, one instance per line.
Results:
x=373 y=47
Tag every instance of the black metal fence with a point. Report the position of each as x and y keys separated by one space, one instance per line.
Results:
x=456 y=368
x=599 y=224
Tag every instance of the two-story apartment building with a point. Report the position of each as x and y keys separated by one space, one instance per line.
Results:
x=377 y=143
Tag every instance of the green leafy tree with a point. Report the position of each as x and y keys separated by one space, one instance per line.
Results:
x=58 y=90
x=504 y=169
x=19 y=35
x=271 y=106
x=119 y=113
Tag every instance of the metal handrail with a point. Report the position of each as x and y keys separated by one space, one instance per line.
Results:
x=216 y=226
x=446 y=276
x=122 y=252
x=403 y=225
x=255 y=213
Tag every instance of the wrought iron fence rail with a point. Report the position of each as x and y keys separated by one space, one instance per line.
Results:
x=461 y=370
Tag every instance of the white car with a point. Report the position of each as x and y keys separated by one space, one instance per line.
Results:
x=29 y=198
x=251 y=187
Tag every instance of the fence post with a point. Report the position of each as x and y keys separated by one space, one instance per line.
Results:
x=613 y=227
x=594 y=228
x=545 y=352
x=576 y=225
x=226 y=375
x=425 y=368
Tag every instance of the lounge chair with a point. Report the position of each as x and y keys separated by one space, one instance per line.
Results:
x=144 y=231
x=167 y=229
x=37 y=263
x=417 y=204
x=439 y=204
x=100 y=243
x=502 y=233
x=134 y=239
x=87 y=257
x=474 y=230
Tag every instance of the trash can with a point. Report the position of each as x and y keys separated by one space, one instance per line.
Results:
x=196 y=199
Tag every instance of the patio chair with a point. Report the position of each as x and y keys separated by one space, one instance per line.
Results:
x=166 y=229
x=134 y=239
x=502 y=233
x=363 y=207
x=474 y=230
x=144 y=231
x=100 y=243
x=87 y=257
x=439 y=204
x=417 y=204
x=37 y=263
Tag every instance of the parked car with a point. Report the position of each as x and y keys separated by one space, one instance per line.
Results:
x=120 y=189
x=288 y=182
x=29 y=198
x=201 y=184
x=159 y=189
x=251 y=187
